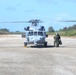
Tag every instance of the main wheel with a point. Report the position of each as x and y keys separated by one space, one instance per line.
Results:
x=25 y=43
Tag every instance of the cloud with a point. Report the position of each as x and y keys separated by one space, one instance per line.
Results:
x=18 y=4
x=29 y=11
x=55 y=1
x=62 y=16
x=65 y=16
x=74 y=1
x=49 y=1
x=10 y=8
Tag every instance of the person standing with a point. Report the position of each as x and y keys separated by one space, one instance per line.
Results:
x=57 y=40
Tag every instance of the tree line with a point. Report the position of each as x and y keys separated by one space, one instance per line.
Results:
x=7 y=31
x=66 y=31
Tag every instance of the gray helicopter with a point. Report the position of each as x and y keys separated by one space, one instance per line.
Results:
x=35 y=34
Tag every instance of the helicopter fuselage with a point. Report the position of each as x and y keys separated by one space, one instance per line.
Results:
x=35 y=34
x=35 y=37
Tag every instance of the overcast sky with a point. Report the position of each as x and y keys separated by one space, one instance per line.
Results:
x=45 y=10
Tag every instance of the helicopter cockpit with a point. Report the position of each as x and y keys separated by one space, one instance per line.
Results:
x=35 y=33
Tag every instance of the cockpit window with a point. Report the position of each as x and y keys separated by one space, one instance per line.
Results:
x=35 y=33
x=30 y=33
x=40 y=33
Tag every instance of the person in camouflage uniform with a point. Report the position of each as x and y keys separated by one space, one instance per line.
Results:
x=57 y=39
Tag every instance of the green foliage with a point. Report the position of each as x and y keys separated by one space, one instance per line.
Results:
x=66 y=31
x=51 y=33
x=69 y=28
x=50 y=29
x=6 y=31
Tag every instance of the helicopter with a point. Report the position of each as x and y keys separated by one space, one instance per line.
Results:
x=35 y=34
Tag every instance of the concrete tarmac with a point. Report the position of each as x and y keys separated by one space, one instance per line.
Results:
x=15 y=59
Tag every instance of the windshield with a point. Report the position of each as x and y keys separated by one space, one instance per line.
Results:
x=40 y=33
x=30 y=33
x=35 y=33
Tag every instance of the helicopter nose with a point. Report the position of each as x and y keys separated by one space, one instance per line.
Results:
x=39 y=39
x=31 y=38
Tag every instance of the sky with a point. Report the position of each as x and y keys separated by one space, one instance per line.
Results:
x=49 y=11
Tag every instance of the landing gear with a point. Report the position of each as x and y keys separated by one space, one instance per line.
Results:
x=45 y=44
x=25 y=44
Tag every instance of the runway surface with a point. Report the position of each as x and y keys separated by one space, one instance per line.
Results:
x=15 y=59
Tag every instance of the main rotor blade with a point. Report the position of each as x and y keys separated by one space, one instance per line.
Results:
x=16 y=22
x=31 y=21
x=68 y=21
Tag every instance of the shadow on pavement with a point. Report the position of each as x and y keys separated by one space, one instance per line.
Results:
x=41 y=46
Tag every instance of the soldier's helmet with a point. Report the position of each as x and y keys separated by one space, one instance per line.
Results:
x=57 y=33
